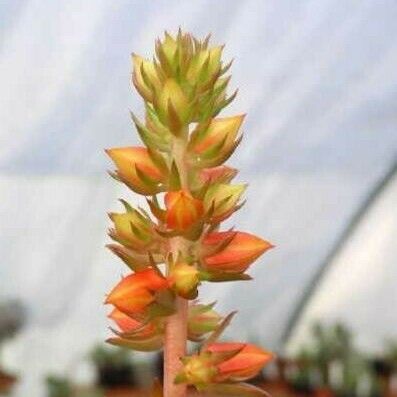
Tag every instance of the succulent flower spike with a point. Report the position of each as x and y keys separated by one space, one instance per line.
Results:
x=183 y=210
x=136 y=169
x=202 y=319
x=176 y=247
x=240 y=251
x=136 y=292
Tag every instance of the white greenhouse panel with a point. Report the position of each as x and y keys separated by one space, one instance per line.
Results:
x=359 y=287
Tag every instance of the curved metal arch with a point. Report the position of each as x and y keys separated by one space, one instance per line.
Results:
x=351 y=226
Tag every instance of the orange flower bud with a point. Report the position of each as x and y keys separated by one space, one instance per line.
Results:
x=223 y=362
x=244 y=365
x=183 y=210
x=136 y=169
x=239 y=253
x=136 y=291
x=128 y=324
x=185 y=279
x=221 y=200
x=221 y=131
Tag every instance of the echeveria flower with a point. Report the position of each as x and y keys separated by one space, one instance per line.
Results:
x=224 y=362
x=240 y=251
x=183 y=210
x=136 y=169
x=136 y=291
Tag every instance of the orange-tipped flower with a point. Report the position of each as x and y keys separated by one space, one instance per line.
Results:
x=240 y=251
x=245 y=364
x=183 y=210
x=136 y=291
x=218 y=141
x=130 y=325
x=221 y=129
x=135 y=334
x=223 y=362
x=136 y=169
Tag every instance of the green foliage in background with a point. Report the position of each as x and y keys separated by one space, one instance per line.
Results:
x=104 y=356
x=330 y=347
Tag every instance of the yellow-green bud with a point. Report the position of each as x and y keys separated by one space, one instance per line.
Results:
x=205 y=66
x=201 y=320
x=222 y=199
x=131 y=229
x=171 y=103
x=199 y=370
x=186 y=279
x=169 y=47
x=145 y=77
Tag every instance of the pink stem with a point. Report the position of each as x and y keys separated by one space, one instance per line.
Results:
x=176 y=326
x=175 y=348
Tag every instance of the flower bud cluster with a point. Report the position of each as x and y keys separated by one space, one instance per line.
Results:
x=189 y=192
x=223 y=363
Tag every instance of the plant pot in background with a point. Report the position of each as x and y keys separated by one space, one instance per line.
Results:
x=114 y=367
x=111 y=376
x=7 y=381
x=382 y=367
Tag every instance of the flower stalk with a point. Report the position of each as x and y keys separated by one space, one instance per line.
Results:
x=175 y=337
x=175 y=245
x=175 y=348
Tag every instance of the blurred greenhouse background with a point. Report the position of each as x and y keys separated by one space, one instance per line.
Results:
x=318 y=80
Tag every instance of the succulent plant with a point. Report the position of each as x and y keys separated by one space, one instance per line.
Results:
x=177 y=245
